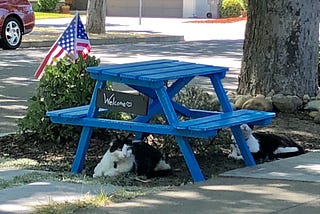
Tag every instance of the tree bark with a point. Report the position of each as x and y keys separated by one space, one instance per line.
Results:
x=96 y=15
x=280 y=50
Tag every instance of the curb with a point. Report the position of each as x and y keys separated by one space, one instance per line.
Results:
x=6 y=134
x=109 y=41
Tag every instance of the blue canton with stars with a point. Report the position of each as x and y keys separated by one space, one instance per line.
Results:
x=66 y=40
x=81 y=31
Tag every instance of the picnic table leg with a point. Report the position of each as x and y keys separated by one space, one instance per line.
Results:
x=183 y=143
x=236 y=131
x=83 y=145
x=86 y=133
x=190 y=159
x=242 y=144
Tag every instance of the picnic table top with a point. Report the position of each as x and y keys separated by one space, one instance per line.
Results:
x=157 y=70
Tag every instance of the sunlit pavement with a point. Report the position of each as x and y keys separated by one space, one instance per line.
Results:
x=169 y=26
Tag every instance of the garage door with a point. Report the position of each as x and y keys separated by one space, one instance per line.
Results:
x=150 y=8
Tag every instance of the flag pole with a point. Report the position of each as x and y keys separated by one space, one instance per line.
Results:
x=39 y=72
x=75 y=56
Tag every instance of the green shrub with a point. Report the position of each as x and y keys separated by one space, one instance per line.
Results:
x=66 y=84
x=46 y=5
x=193 y=97
x=232 y=8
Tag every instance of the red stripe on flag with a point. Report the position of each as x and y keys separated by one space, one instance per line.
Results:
x=60 y=54
x=55 y=52
x=39 y=71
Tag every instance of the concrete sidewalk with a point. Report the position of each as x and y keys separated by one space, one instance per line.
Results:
x=159 y=26
x=121 y=30
x=289 y=185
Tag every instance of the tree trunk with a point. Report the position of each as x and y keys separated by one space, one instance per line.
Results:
x=96 y=15
x=281 y=48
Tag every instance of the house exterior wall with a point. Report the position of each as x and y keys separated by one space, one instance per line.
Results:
x=153 y=8
x=150 y=8
x=201 y=8
x=188 y=8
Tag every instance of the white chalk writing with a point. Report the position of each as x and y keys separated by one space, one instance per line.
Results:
x=111 y=101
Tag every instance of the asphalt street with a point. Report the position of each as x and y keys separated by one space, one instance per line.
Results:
x=17 y=67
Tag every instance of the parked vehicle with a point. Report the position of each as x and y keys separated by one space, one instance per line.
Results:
x=16 y=19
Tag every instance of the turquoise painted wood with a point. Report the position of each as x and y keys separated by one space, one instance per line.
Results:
x=150 y=79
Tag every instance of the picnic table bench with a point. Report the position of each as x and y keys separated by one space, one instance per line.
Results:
x=150 y=79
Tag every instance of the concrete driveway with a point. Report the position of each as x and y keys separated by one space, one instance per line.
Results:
x=169 y=26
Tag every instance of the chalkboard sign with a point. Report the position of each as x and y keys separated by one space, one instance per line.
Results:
x=122 y=102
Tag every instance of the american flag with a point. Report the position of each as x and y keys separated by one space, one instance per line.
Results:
x=73 y=40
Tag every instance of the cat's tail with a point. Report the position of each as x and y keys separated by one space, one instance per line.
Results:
x=162 y=169
x=162 y=165
x=286 y=152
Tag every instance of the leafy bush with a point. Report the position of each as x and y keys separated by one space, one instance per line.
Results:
x=66 y=84
x=46 y=5
x=233 y=8
x=193 y=97
x=196 y=98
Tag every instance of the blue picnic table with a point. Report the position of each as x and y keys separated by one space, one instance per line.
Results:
x=150 y=78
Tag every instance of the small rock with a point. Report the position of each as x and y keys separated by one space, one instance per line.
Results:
x=260 y=96
x=306 y=98
x=271 y=93
x=286 y=103
x=241 y=100
x=269 y=99
x=232 y=99
x=313 y=105
x=231 y=93
x=258 y=103
x=317 y=118
x=313 y=114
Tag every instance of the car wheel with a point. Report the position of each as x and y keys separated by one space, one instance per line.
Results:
x=11 y=34
x=209 y=15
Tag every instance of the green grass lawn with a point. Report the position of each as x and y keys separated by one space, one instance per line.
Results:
x=41 y=15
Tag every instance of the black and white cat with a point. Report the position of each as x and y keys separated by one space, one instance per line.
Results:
x=125 y=155
x=266 y=146
x=118 y=159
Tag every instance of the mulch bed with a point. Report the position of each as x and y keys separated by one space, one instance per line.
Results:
x=57 y=157
x=220 y=20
